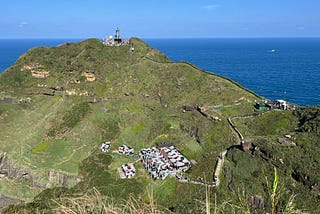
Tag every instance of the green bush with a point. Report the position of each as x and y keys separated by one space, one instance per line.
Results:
x=73 y=116
x=40 y=147
x=309 y=119
x=109 y=127
x=70 y=119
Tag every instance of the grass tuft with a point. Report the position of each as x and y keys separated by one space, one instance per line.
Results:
x=94 y=202
x=40 y=147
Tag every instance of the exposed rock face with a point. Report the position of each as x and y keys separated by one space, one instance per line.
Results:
x=25 y=100
x=15 y=101
x=286 y=141
x=89 y=75
x=188 y=108
x=128 y=94
x=256 y=201
x=30 y=67
x=73 y=92
x=306 y=179
x=163 y=144
x=204 y=112
x=59 y=179
x=57 y=88
x=40 y=74
x=36 y=70
x=246 y=144
x=192 y=131
x=11 y=172
x=7 y=100
x=55 y=178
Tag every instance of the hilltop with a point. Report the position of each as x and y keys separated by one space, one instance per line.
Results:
x=59 y=104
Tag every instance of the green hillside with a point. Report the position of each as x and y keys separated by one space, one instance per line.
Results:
x=57 y=105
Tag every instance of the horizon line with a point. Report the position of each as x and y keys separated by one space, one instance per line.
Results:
x=220 y=37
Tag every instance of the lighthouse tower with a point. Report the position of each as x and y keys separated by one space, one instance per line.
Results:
x=117 y=37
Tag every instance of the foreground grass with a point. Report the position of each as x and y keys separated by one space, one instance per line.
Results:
x=94 y=202
x=14 y=189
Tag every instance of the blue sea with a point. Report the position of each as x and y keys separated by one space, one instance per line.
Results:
x=276 y=68
x=11 y=49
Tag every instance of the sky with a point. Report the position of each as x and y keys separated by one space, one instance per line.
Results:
x=159 y=18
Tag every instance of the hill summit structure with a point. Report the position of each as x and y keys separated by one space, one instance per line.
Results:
x=116 y=40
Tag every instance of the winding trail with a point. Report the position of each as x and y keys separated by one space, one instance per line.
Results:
x=222 y=155
x=220 y=160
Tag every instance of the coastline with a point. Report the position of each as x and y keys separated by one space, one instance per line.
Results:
x=284 y=81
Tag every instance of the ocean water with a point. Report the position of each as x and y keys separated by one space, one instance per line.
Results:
x=11 y=49
x=276 y=68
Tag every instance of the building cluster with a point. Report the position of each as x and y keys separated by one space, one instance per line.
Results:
x=163 y=161
x=272 y=104
x=105 y=146
x=125 y=150
x=127 y=170
x=159 y=162
x=116 y=40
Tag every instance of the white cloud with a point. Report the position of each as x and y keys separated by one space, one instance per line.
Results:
x=211 y=6
x=22 y=24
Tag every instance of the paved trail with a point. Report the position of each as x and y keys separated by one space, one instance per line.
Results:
x=220 y=160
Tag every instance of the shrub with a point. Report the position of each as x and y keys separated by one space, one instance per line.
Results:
x=70 y=119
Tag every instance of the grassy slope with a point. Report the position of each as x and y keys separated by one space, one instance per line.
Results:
x=136 y=120
x=290 y=161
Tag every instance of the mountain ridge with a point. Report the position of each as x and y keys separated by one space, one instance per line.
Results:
x=77 y=95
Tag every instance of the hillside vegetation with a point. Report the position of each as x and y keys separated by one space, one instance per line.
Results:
x=57 y=105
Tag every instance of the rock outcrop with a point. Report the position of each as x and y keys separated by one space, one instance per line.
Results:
x=11 y=172
x=204 y=112
x=89 y=75
x=37 y=70
x=7 y=170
